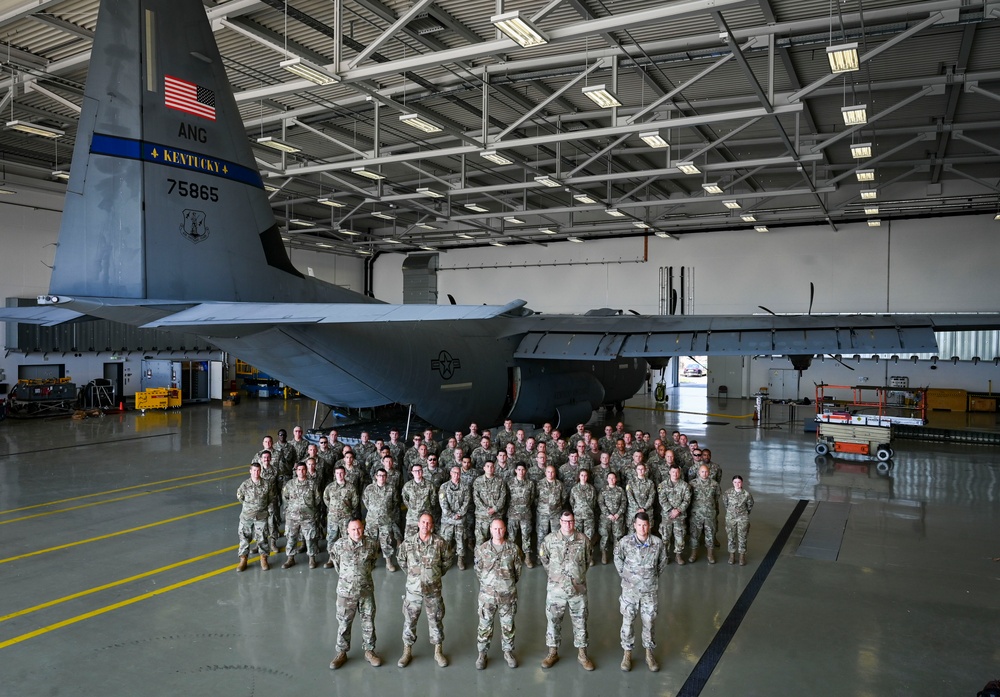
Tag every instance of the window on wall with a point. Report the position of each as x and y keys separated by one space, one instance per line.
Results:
x=41 y=371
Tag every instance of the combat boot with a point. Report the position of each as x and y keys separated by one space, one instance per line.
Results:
x=373 y=658
x=711 y=555
x=583 y=659
x=693 y=556
x=550 y=658
x=274 y=543
x=440 y=658
x=390 y=566
x=461 y=563
x=481 y=660
x=242 y=566
x=407 y=656
x=509 y=657
x=604 y=556
x=651 y=661
x=289 y=563
x=329 y=564
x=743 y=560
x=529 y=561
x=312 y=561
x=264 y=564
x=679 y=559
x=732 y=558
x=338 y=660
x=626 y=661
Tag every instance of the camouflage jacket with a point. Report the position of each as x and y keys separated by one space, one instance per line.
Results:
x=551 y=496
x=738 y=504
x=641 y=494
x=569 y=475
x=674 y=496
x=705 y=497
x=583 y=500
x=612 y=501
x=454 y=501
x=566 y=560
x=714 y=471
x=607 y=444
x=489 y=492
x=424 y=563
x=498 y=569
x=640 y=563
x=301 y=499
x=256 y=498
x=481 y=456
x=418 y=498
x=521 y=505
x=354 y=562
x=381 y=504
x=341 y=501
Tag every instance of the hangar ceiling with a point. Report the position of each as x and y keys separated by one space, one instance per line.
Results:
x=730 y=116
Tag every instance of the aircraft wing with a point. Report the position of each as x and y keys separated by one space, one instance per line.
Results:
x=46 y=316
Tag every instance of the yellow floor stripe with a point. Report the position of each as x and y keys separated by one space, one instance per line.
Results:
x=699 y=413
x=116 y=534
x=120 y=498
x=126 y=488
x=113 y=584
x=115 y=606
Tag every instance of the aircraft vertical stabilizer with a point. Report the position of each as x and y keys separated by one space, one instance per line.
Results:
x=165 y=200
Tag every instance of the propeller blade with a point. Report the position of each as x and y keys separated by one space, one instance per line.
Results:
x=840 y=361
x=812 y=295
x=673 y=302
x=451 y=298
x=767 y=311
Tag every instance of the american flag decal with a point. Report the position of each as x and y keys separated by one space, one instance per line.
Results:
x=188 y=97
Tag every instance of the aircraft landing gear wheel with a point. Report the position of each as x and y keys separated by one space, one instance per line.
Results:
x=822 y=448
x=883 y=453
x=883 y=467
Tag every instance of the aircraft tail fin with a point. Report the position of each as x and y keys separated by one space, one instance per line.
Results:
x=165 y=200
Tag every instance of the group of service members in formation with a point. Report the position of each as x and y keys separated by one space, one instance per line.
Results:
x=515 y=500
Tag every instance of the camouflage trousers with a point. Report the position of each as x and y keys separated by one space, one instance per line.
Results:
x=556 y=604
x=702 y=522
x=641 y=604
x=675 y=530
x=386 y=534
x=413 y=603
x=587 y=526
x=347 y=607
x=335 y=529
x=611 y=531
x=300 y=529
x=253 y=530
x=410 y=527
x=490 y=606
x=736 y=534
x=482 y=529
x=519 y=531
x=544 y=524
x=273 y=519
x=455 y=535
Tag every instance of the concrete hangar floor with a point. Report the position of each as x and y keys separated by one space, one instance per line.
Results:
x=117 y=574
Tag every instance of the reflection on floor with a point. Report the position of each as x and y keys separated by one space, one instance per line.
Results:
x=117 y=573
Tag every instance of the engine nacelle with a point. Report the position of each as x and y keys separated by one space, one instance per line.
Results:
x=569 y=396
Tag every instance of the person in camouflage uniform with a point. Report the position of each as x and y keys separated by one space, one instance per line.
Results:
x=641 y=493
x=425 y=558
x=620 y=457
x=675 y=500
x=397 y=448
x=607 y=442
x=569 y=474
x=269 y=473
x=489 y=494
x=255 y=494
x=302 y=500
x=498 y=568
x=583 y=501
x=506 y=434
x=565 y=554
x=550 y=498
x=354 y=558
x=365 y=449
x=354 y=475
x=704 y=510
x=299 y=443
x=341 y=501
x=419 y=495
x=611 y=504
x=484 y=453
x=455 y=499
x=382 y=508
x=738 y=503
x=640 y=559
x=436 y=474
x=521 y=511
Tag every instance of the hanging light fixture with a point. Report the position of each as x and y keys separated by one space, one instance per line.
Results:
x=304 y=69
x=843 y=58
x=366 y=173
x=712 y=188
x=277 y=144
x=860 y=151
x=749 y=218
x=495 y=157
x=854 y=115
x=869 y=194
x=519 y=29
x=546 y=180
x=420 y=123
x=601 y=96
x=732 y=204
x=583 y=198
x=654 y=140
x=35 y=129
x=688 y=167
x=865 y=175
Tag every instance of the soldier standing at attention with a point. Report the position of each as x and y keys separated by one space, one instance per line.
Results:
x=565 y=554
x=675 y=499
x=550 y=497
x=255 y=494
x=521 y=511
x=704 y=510
x=455 y=499
x=341 y=499
x=419 y=495
x=738 y=503
x=425 y=557
x=489 y=493
x=354 y=558
x=641 y=493
x=301 y=510
x=269 y=473
x=380 y=502
x=498 y=567
x=640 y=559
x=611 y=503
x=583 y=501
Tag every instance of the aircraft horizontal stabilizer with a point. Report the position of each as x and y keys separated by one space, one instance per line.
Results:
x=45 y=316
x=225 y=314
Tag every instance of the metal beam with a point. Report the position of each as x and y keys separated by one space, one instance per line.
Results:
x=991 y=187
x=403 y=20
x=927 y=91
x=545 y=102
x=35 y=87
x=921 y=137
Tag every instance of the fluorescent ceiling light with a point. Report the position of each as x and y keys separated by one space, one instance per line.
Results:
x=860 y=151
x=367 y=173
x=428 y=191
x=327 y=201
x=497 y=243
x=392 y=241
x=519 y=29
x=345 y=231
x=277 y=144
x=871 y=210
x=641 y=225
x=477 y=208
x=843 y=58
x=688 y=167
x=869 y=194
x=583 y=198
x=495 y=157
x=425 y=226
x=6 y=192
x=420 y=123
x=299 y=67
x=663 y=235
x=865 y=175
x=324 y=245
x=749 y=218
x=513 y=219
x=61 y=175
x=654 y=140
x=364 y=252
x=428 y=249
x=35 y=129
x=546 y=180
x=854 y=115
x=874 y=222
x=271 y=189
x=383 y=216
x=760 y=228
x=614 y=212
x=732 y=204
x=573 y=239
x=548 y=231
x=712 y=188
x=465 y=236
x=300 y=222
x=601 y=96
x=996 y=217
